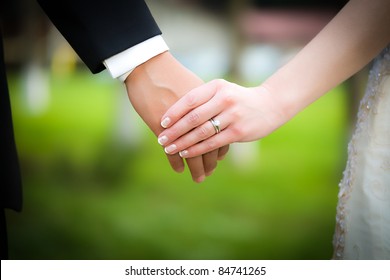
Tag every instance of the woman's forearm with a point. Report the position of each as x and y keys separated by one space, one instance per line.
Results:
x=348 y=43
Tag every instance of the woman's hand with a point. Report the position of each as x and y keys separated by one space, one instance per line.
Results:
x=239 y=114
x=152 y=88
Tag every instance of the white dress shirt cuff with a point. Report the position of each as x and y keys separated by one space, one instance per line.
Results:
x=121 y=64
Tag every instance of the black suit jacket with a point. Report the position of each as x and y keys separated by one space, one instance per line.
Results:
x=96 y=30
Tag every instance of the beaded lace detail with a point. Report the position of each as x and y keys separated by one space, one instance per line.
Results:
x=367 y=108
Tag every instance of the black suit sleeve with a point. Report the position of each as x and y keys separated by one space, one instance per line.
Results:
x=98 y=29
x=10 y=182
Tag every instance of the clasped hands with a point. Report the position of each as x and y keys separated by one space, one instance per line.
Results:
x=217 y=114
x=152 y=88
x=196 y=121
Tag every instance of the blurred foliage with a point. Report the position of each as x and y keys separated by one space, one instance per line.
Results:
x=89 y=195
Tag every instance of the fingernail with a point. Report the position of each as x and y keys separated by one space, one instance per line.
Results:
x=200 y=179
x=170 y=149
x=180 y=169
x=162 y=140
x=210 y=173
x=221 y=157
x=183 y=153
x=165 y=122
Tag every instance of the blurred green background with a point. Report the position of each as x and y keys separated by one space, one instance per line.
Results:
x=89 y=196
x=98 y=186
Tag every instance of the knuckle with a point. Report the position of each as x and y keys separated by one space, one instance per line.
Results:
x=193 y=118
x=211 y=144
x=202 y=132
x=237 y=131
x=190 y=100
x=229 y=98
x=235 y=113
x=220 y=82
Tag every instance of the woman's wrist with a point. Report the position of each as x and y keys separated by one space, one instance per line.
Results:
x=279 y=101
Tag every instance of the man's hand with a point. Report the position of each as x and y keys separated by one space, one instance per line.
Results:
x=156 y=85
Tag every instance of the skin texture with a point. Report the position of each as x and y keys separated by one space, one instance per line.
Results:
x=349 y=42
x=152 y=88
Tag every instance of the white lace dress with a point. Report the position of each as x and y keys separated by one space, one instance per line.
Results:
x=363 y=211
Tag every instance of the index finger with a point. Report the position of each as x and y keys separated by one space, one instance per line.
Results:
x=191 y=100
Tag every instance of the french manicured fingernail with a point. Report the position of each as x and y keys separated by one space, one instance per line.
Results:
x=183 y=153
x=170 y=149
x=162 y=140
x=165 y=122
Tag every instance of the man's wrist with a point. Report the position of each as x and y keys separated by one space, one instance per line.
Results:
x=123 y=63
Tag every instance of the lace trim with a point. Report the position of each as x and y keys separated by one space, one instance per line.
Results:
x=380 y=68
